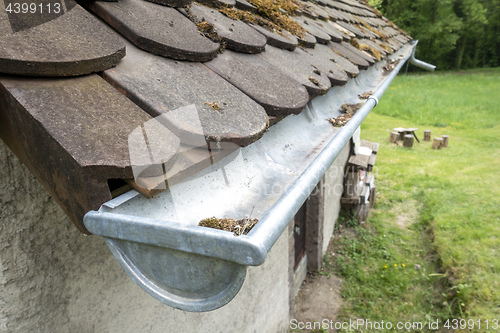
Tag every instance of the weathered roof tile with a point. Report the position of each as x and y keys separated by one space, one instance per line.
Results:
x=320 y=35
x=278 y=93
x=320 y=12
x=349 y=28
x=217 y=3
x=72 y=44
x=245 y=5
x=343 y=30
x=237 y=34
x=343 y=63
x=298 y=65
x=334 y=34
x=348 y=54
x=374 y=45
x=73 y=134
x=174 y=35
x=359 y=53
x=320 y=57
x=170 y=3
x=160 y=85
x=285 y=40
x=307 y=40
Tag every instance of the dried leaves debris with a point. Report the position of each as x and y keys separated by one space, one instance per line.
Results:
x=238 y=227
x=314 y=81
x=214 y=105
x=208 y=30
x=348 y=110
x=366 y=48
x=390 y=65
x=365 y=95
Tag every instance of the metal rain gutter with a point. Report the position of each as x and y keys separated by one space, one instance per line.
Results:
x=199 y=269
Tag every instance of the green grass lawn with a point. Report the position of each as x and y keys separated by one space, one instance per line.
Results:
x=431 y=247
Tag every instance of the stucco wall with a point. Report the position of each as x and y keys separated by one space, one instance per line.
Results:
x=323 y=207
x=54 y=279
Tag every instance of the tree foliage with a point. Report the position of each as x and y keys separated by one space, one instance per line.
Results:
x=451 y=33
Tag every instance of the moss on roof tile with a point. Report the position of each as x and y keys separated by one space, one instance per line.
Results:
x=271 y=14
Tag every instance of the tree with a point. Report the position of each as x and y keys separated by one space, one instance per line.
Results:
x=473 y=17
x=452 y=33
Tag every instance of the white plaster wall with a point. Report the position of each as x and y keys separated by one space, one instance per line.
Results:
x=54 y=279
x=332 y=191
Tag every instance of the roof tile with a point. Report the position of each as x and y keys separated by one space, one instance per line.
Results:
x=320 y=12
x=383 y=52
x=348 y=54
x=298 y=64
x=59 y=130
x=245 y=5
x=72 y=44
x=352 y=28
x=343 y=30
x=237 y=34
x=360 y=53
x=309 y=25
x=307 y=40
x=170 y=3
x=278 y=93
x=174 y=35
x=285 y=40
x=343 y=63
x=330 y=29
x=161 y=85
x=332 y=70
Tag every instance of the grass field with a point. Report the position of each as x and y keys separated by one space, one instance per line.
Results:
x=430 y=249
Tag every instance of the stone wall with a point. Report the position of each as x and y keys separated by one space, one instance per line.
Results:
x=54 y=279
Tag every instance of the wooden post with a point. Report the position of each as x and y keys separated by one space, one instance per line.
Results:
x=427 y=135
x=373 y=193
x=393 y=137
x=408 y=140
x=438 y=142
x=445 y=140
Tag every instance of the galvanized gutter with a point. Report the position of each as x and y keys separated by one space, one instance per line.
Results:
x=200 y=269
x=277 y=218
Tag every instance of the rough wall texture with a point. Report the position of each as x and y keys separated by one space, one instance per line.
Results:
x=323 y=207
x=332 y=191
x=54 y=279
x=314 y=227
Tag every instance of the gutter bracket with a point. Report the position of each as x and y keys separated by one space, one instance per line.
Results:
x=375 y=99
